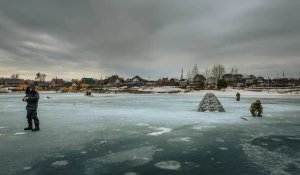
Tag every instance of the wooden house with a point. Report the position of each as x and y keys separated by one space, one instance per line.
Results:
x=87 y=82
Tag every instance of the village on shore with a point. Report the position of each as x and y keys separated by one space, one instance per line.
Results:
x=138 y=85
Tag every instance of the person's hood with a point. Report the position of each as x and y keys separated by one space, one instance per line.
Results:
x=258 y=102
x=30 y=86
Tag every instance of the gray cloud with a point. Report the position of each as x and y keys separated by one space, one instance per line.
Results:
x=150 y=38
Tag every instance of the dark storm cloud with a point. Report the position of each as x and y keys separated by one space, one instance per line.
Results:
x=155 y=38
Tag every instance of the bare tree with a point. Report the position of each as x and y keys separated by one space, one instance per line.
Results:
x=234 y=71
x=13 y=76
x=195 y=71
x=207 y=73
x=218 y=71
x=40 y=77
x=189 y=75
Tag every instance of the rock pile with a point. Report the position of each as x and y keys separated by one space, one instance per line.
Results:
x=210 y=103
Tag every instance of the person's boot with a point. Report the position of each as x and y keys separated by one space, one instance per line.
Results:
x=29 y=125
x=37 y=126
x=259 y=114
x=253 y=114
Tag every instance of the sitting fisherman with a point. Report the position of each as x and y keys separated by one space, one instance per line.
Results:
x=256 y=106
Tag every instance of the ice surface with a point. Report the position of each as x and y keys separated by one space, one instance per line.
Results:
x=129 y=158
x=131 y=133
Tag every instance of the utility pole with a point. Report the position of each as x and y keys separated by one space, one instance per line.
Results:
x=181 y=74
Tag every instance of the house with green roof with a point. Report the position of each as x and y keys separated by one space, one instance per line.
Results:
x=69 y=86
x=87 y=82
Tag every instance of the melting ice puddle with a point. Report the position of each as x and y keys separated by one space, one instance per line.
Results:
x=142 y=124
x=223 y=148
x=168 y=165
x=19 y=133
x=60 y=163
x=160 y=131
x=27 y=168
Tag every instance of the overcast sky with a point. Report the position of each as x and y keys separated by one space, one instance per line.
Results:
x=153 y=38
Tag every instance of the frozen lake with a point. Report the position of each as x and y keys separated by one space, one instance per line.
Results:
x=149 y=135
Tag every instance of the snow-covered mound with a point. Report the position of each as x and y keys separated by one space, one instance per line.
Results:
x=210 y=103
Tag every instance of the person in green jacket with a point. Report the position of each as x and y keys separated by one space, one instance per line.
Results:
x=256 y=106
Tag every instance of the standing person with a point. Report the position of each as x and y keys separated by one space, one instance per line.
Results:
x=238 y=96
x=256 y=106
x=32 y=97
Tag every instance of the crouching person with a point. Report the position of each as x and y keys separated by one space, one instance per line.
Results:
x=32 y=97
x=256 y=106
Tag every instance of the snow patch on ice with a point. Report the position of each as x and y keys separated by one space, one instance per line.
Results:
x=142 y=124
x=220 y=140
x=117 y=129
x=103 y=142
x=168 y=165
x=2 y=127
x=160 y=131
x=223 y=148
x=19 y=133
x=180 y=139
x=60 y=163
x=276 y=139
x=131 y=173
x=83 y=152
x=203 y=127
x=27 y=168
x=293 y=138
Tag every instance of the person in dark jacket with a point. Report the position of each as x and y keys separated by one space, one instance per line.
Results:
x=32 y=97
x=238 y=96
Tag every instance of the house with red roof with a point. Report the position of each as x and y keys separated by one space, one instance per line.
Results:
x=57 y=82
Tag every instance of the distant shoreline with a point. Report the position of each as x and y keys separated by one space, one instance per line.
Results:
x=176 y=90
